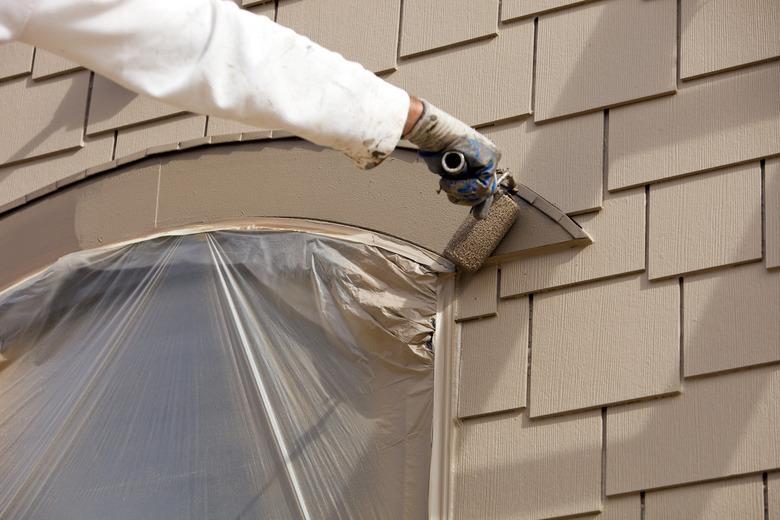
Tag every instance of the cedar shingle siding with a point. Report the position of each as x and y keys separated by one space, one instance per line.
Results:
x=638 y=373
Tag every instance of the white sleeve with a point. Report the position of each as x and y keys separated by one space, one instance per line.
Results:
x=210 y=57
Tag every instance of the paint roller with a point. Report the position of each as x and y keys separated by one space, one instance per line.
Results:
x=475 y=239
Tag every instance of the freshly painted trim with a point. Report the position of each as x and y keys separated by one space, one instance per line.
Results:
x=444 y=343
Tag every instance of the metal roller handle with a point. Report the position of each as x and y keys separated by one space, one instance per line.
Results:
x=453 y=163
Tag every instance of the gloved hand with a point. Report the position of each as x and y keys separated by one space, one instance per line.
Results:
x=437 y=132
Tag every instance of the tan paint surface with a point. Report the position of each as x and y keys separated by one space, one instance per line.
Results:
x=603 y=54
x=517 y=8
x=31 y=177
x=497 y=455
x=493 y=361
x=773 y=485
x=718 y=427
x=93 y=213
x=506 y=66
x=531 y=230
x=722 y=34
x=262 y=3
x=112 y=106
x=224 y=127
x=49 y=64
x=710 y=123
x=732 y=319
x=432 y=24
x=741 y=498
x=477 y=293
x=171 y=130
x=618 y=248
x=370 y=38
x=35 y=237
x=48 y=115
x=621 y=508
x=15 y=59
x=772 y=209
x=302 y=180
x=604 y=343
x=706 y=221
x=265 y=8
x=562 y=161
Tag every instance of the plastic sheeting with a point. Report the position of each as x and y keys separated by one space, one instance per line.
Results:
x=219 y=375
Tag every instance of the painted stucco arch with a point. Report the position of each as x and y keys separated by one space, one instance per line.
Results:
x=281 y=178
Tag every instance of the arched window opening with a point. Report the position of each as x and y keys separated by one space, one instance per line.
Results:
x=223 y=374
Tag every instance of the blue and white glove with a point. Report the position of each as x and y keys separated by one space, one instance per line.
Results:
x=435 y=133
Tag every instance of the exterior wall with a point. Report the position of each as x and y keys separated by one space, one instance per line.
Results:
x=636 y=377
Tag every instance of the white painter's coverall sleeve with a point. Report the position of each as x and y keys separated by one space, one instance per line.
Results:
x=210 y=57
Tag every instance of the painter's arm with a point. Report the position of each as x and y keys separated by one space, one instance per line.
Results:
x=210 y=57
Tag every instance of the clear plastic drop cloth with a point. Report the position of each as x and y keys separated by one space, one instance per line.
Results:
x=225 y=374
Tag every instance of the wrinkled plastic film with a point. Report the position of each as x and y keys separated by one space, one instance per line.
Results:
x=219 y=375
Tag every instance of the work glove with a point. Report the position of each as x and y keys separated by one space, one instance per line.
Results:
x=436 y=133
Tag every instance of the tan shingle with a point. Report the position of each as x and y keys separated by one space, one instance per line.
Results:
x=604 y=343
x=48 y=64
x=517 y=8
x=370 y=37
x=710 y=122
x=15 y=59
x=11 y=204
x=225 y=127
x=718 y=427
x=265 y=7
x=26 y=178
x=114 y=107
x=732 y=319
x=705 y=221
x=165 y=132
x=621 y=508
x=477 y=293
x=508 y=466
x=603 y=54
x=433 y=24
x=722 y=34
x=47 y=116
x=562 y=161
x=741 y=498
x=501 y=90
x=774 y=496
x=618 y=233
x=263 y=4
x=494 y=360
x=772 y=195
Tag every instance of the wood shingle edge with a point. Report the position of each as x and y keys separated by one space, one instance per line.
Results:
x=156 y=150
x=555 y=213
x=560 y=232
